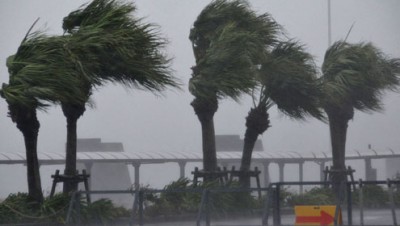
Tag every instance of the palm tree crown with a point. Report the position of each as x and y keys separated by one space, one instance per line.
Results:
x=229 y=42
x=35 y=78
x=127 y=51
x=288 y=79
x=356 y=75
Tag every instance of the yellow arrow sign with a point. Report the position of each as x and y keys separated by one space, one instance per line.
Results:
x=316 y=215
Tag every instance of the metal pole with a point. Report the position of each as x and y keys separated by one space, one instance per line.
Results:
x=134 y=208
x=207 y=208
x=70 y=209
x=301 y=176
x=267 y=203
x=141 y=197
x=392 y=204
x=329 y=24
x=203 y=203
x=361 y=201
x=349 y=205
x=276 y=209
x=78 y=207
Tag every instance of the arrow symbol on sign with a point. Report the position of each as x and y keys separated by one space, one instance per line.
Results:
x=323 y=219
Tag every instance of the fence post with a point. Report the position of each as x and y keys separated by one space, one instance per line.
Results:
x=267 y=206
x=70 y=209
x=203 y=204
x=78 y=207
x=134 y=207
x=208 y=221
x=141 y=199
x=349 y=204
x=361 y=201
x=392 y=204
x=276 y=209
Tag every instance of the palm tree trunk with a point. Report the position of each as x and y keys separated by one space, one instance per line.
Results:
x=257 y=123
x=338 y=124
x=72 y=114
x=205 y=110
x=29 y=125
x=250 y=139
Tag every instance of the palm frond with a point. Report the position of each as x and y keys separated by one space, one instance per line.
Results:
x=290 y=79
x=359 y=74
x=119 y=48
x=229 y=42
x=41 y=72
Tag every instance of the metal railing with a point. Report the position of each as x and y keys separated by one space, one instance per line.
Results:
x=137 y=214
x=271 y=201
x=275 y=204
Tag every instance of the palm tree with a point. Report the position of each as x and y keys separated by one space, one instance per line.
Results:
x=34 y=82
x=288 y=80
x=111 y=46
x=354 y=78
x=228 y=41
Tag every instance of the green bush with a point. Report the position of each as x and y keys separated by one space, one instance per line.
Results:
x=173 y=202
x=373 y=196
x=102 y=212
x=16 y=208
x=19 y=208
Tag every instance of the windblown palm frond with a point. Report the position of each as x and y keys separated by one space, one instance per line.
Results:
x=229 y=42
x=103 y=14
x=289 y=79
x=41 y=72
x=215 y=16
x=228 y=68
x=119 y=48
x=357 y=74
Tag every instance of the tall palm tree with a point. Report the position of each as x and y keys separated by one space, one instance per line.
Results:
x=354 y=78
x=288 y=80
x=35 y=82
x=228 y=41
x=112 y=46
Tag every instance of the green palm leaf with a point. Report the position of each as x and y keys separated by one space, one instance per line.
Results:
x=40 y=72
x=229 y=42
x=289 y=79
x=357 y=74
x=119 y=48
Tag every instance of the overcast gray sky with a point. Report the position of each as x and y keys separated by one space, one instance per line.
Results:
x=144 y=122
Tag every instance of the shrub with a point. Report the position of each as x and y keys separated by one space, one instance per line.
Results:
x=19 y=208
x=373 y=196
x=102 y=211
x=174 y=201
x=16 y=208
